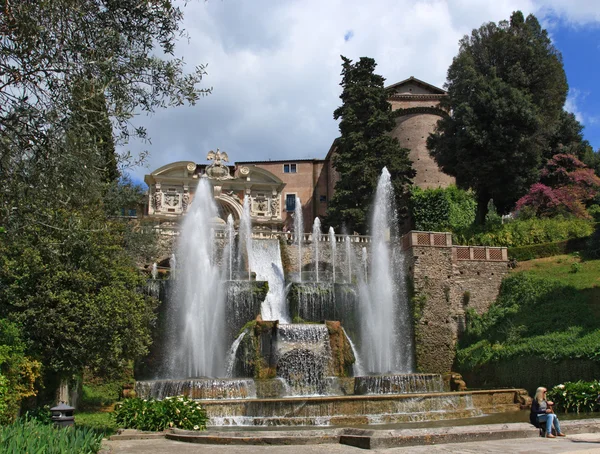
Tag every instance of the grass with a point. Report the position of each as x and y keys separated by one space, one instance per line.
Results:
x=99 y=421
x=560 y=267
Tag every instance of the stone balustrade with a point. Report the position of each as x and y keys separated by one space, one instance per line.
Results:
x=444 y=240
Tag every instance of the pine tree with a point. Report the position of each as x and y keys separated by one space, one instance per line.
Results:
x=365 y=147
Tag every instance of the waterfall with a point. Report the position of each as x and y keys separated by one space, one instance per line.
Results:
x=230 y=244
x=173 y=265
x=154 y=272
x=357 y=368
x=383 y=298
x=245 y=244
x=265 y=260
x=232 y=352
x=316 y=239
x=365 y=263
x=304 y=355
x=332 y=245
x=197 y=321
x=299 y=233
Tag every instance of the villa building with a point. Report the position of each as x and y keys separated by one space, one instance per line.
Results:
x=274 y=186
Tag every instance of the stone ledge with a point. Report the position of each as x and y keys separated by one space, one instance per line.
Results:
x=377 y=438
x=296 y=437
x=134 y=434
x=374 y=439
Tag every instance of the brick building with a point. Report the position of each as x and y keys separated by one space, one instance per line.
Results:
x=274 y=185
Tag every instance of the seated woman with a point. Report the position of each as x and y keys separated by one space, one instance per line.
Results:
x=541 y=412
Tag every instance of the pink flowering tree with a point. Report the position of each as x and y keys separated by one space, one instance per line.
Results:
x=566 y=186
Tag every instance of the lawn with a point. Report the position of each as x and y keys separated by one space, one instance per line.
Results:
x=568 y=269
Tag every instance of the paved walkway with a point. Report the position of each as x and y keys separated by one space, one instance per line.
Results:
x=580 y=443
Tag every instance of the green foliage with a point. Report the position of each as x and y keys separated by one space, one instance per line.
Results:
x=65 y=282
x=177 y=412
x=506 y=91
x=594 y=212
x=575 y=397
x=18 y=372
x=442 y=210
x=365 y=147
x=99 y=422
x=575 y=267
x=31 y=436
x=532 y=317
x=524 y=232
x=523 y=253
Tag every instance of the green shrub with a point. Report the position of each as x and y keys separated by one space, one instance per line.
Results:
x=101 y=422
x=575 y=396
x=532 y=317
x=594 y=212
x=442 y=209
x=32 y=436
x=155 y=415
x=18 y=372
x=536 y=251
x=524 y=232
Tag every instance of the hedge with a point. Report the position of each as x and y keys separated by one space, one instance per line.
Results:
x=536 y=251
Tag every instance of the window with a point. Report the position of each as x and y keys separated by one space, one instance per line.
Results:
x=290 y=202
x=289 y=168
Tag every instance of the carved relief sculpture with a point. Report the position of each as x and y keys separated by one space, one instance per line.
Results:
x=275 y=206
x=185 y=201
x=157 y=199
x=172 y=199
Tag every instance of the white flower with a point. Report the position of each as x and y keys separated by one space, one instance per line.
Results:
x=177 y=411
x=171 y=424
x=196 y=427
x=560 y=386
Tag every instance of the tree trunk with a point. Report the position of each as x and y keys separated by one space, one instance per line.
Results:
x=482 y=207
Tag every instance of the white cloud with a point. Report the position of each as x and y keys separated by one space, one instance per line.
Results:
x=275 y=68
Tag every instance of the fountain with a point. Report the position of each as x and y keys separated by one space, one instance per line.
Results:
x=316 y=239
x=298 y=234
x=258 y=347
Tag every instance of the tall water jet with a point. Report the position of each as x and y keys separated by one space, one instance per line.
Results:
x=197 y=347
x=299 y=233
x=316 y=239
x=348 y=258
x=230 y=244
x=365 y=264
x=332 y=245
x=173 y=265
x=384 y=304
x=245 y=244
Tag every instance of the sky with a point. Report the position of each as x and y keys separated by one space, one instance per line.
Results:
x=274 y=68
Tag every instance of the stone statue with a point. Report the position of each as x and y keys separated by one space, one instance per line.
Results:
x=217 y=170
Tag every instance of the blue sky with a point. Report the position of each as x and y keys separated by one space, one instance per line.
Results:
x=275 y=67
x=580 y=48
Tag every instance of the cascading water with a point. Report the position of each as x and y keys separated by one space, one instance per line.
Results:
x=154 y=272
x=316 y=239
x=265 y=261
x=197 y=346
x=304 y=356
x=230 y=244
x=384 y=303
x=299 y=234
x=332 y=246
x=245 y=244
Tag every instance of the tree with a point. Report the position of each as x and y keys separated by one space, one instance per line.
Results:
x=365 y=147
x=566 y=187
x=72 y=76
x=506 y=90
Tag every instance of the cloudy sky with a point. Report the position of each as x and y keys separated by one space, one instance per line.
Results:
x=274 y=67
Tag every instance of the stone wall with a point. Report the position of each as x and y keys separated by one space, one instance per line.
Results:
x=444 y=287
